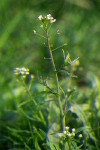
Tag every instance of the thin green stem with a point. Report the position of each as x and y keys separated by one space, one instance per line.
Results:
x=31 y=99
x=62 y=118
x=59 y=47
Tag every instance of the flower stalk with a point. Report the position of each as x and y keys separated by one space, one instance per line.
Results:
x=62 y=117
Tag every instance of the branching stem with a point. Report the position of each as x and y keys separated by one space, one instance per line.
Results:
x=62 y=117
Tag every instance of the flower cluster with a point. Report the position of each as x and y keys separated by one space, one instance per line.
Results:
x=48 y=17
x=22 y=72
x=69 y=132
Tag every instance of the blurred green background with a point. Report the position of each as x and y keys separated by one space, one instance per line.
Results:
x=79 y=25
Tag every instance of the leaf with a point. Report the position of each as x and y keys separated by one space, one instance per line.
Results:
x=73 y=145
x=42 y=133
x=67 y=59
x=76 y=108
x=27 y=147
x=81 y=129
x=75 y=61
x=53 y=146
x=66 y=146
x=37 y=145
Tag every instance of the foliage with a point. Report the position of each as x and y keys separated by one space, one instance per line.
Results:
x=30 y=117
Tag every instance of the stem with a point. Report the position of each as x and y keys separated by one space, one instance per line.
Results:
x=62 y=118
x=31 y=99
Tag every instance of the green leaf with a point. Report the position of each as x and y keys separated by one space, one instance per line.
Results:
x=42 y=133
x=82 y=116
x=73 y=145
x=67 y=59
x=54 y=146
x=26 y=147
x=37 y=145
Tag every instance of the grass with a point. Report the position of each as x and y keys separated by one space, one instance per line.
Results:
x=34 y=112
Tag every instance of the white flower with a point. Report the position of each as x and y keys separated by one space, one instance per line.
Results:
x=73 y=134
x=65 y=132
x=34 y=31
x=40 y=17
x=52 y=20
x=41 y=26
x=67 y=128
x=69 y=134
x=73 y=130
x=21 y=71
x=49 y=16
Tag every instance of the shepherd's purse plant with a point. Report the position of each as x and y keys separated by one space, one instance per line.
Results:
x=51 y=102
